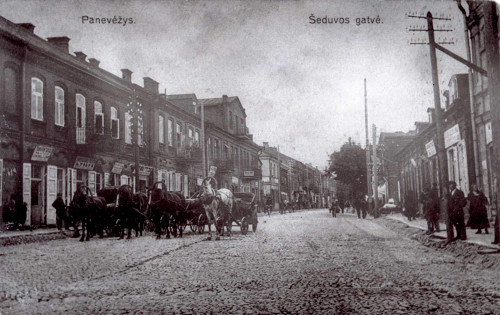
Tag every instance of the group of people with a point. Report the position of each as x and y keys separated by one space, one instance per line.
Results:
x=15 y=211
x=455 y=204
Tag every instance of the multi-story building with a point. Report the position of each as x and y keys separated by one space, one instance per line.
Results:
x=417 y=160
x=486 y=176
x=66 y=122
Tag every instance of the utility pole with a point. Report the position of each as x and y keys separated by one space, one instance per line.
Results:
x=279 y=179
x=492 y=54
x=367 y=148
x=135 y=111
x=307 y=185
x=443 y=173
x=375 y=171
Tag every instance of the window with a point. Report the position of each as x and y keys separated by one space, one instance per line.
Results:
x=190 y=136
x=216 y=149
x=128 y=128
x=170 y=132
x=80 y=119
x=59 y=106
x=11 y=89
x=178 y=134
x=98 y=118
x=196 y=138
x=36 y=99
x=161 y=129
x=140 y=130
x=115 y=124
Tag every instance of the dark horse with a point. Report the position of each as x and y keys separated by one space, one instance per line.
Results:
x=168 y=211
x=88 y=210
x=130 y=210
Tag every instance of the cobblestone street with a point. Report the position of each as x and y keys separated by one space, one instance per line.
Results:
x=305 y=262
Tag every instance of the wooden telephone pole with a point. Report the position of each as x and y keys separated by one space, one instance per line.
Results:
x=367 y=149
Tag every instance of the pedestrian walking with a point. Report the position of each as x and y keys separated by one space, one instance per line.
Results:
x=333 y=208
x=430 y=203
x=410 y=205
x=477 y=208
x=456 y=204
x=60 y=207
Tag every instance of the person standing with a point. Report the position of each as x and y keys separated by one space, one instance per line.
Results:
x=427 y=208
x=434 y=208
x=410 y=206
x=60 y=207
x=456 y=204
x=477 y=209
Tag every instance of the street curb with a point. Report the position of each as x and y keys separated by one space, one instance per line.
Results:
x=443 y=237
x=10 y=240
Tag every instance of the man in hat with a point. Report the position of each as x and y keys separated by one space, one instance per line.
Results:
x=456 y=204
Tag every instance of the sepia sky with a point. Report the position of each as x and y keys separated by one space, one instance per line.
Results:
x=301 y=83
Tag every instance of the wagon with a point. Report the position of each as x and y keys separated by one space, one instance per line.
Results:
x=245 y=211
x=196 y=217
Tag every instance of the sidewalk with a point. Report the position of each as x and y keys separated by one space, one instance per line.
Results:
x=472 y=238
x=27 y=236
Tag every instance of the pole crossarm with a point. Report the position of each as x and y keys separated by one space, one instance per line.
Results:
x=462 y=60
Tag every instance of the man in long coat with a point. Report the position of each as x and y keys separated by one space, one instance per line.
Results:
x=456 y=204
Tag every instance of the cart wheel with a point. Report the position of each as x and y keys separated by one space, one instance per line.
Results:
x=254 y=223
x=201 y=223
x=244 y=226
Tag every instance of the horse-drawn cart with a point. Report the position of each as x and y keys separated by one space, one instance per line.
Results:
x=245 y=211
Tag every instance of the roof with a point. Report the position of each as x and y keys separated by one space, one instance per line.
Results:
x=216 y=101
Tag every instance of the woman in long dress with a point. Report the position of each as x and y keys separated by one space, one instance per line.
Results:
x=478 y=213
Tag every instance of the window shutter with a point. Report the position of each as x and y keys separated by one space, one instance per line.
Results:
x=51 y=193
x=114 y=128
x=27 y=190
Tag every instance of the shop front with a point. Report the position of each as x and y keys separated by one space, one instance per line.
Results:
x=457 y=158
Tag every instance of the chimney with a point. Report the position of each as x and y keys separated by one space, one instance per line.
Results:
x=80 y=55
x=28 y=26
x=150 y=85
x=127 y=75
x=94 y=62
x=224 y=98
x=60 y=42
x=265 y=145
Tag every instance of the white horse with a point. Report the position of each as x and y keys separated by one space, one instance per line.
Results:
x=218 y=205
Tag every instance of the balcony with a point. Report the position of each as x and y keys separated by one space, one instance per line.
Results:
x=223 y=165
x=188 y=155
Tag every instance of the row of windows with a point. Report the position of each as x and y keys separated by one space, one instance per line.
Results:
x=217 y=150
x=193 y=136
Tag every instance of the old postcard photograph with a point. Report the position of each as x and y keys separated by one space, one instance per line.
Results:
x=249 y=157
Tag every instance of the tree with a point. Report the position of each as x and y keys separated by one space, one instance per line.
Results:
x=349 y=167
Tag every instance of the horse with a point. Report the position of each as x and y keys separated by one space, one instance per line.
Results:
x=168 y=210
x=218 y=206
x=88 y=210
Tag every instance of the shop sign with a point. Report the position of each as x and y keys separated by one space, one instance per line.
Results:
x=117 y=168
x=248 y=173
x=84 y=163
x=145 y=170
x=212 y=171
x=451 y=136
x=42 y=153
x=431 y=148
x=488 y=132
